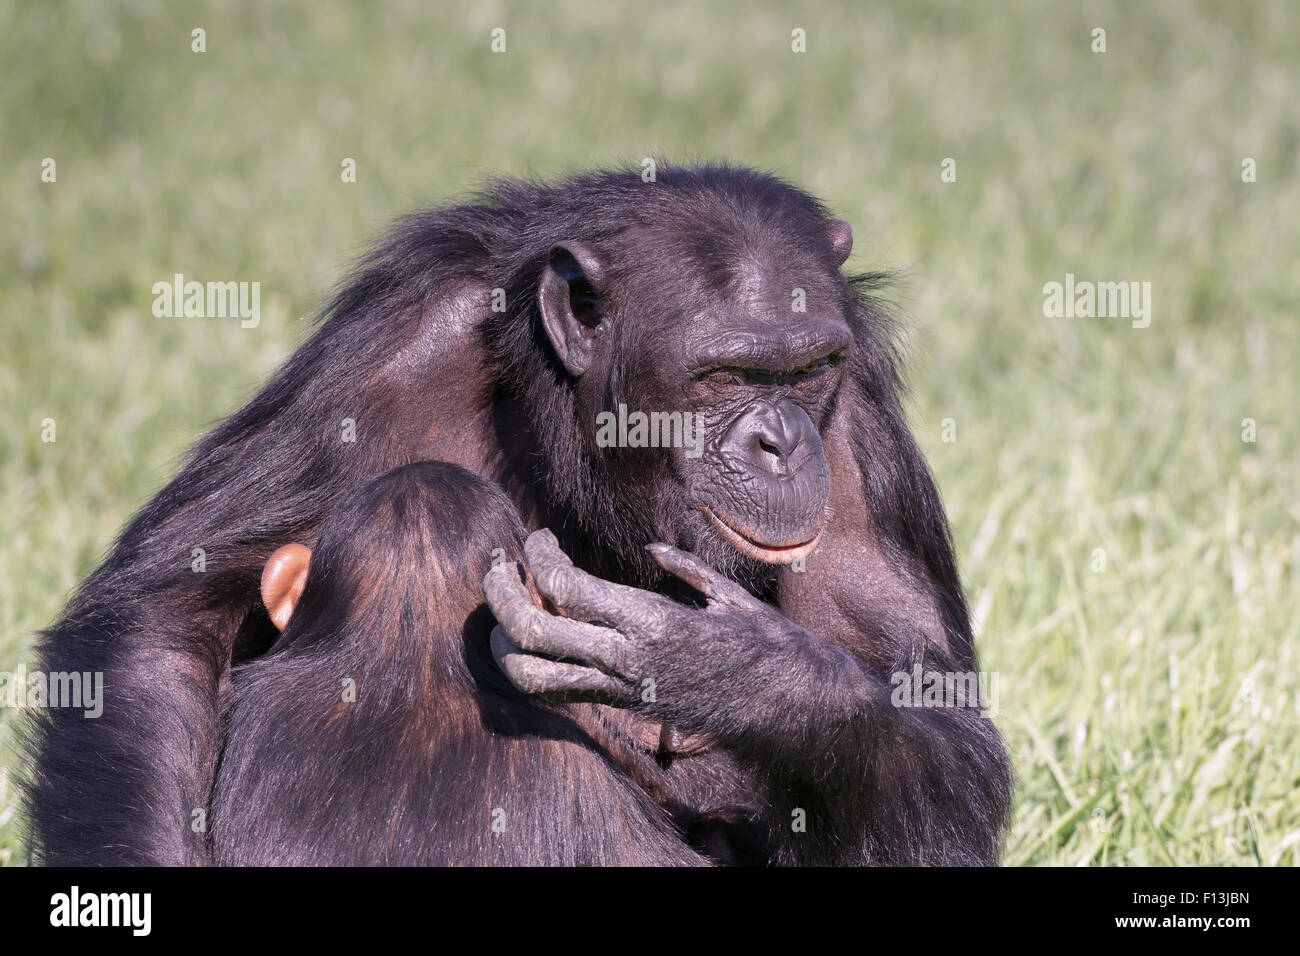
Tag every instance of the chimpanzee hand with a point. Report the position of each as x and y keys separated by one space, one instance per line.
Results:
x=633 y=648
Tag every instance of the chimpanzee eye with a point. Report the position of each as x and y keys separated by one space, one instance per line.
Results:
x=735 y=375
x=817 y=366
x=726 y=376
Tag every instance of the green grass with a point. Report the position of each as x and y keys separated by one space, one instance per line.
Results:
x=1161 y=691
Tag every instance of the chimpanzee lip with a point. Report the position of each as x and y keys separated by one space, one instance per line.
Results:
x=767 y=553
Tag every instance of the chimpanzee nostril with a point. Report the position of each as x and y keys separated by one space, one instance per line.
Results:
x=771 y=455
x=773 y=441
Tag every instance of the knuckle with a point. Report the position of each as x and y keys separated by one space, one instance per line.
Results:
x=558 y=582
x=525 y=673
x=623 y=658
x=532 y=630
x=538 y=548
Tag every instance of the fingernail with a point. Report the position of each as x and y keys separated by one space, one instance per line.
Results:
x=656 y=547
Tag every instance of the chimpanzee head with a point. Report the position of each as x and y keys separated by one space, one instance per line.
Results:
x=727 y=314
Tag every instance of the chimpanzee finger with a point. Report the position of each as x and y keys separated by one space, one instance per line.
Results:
x=556 y=680
x=533 y=629
x=586 y=596
x=702 y=576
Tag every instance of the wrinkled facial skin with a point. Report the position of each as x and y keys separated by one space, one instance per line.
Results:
x=763 y=482
x=762 y=379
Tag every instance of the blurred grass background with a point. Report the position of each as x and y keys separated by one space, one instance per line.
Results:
x=1151 y=708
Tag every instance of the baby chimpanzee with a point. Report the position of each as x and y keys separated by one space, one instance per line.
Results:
x=379 y=730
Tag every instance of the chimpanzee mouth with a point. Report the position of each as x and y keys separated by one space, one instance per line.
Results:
x=761 y=551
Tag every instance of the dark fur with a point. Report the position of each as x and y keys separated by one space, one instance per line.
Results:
x=410 y=771
x=909 y=787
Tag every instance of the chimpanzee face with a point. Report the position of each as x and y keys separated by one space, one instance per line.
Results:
x=747 y=354
x=761 y=393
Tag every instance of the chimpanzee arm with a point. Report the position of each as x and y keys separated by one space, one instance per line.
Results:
x=876 y=783
x=129 y=785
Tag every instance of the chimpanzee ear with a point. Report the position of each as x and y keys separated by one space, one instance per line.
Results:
x=840 y=234
x=569 y=299
x=283 y=579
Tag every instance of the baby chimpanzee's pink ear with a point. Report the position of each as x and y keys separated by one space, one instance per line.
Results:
x=840 y=233
x=283 y=579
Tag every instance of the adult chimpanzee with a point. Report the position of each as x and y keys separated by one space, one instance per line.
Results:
x=742 y=683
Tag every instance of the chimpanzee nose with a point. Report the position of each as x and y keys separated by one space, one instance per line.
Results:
x=776 y=435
